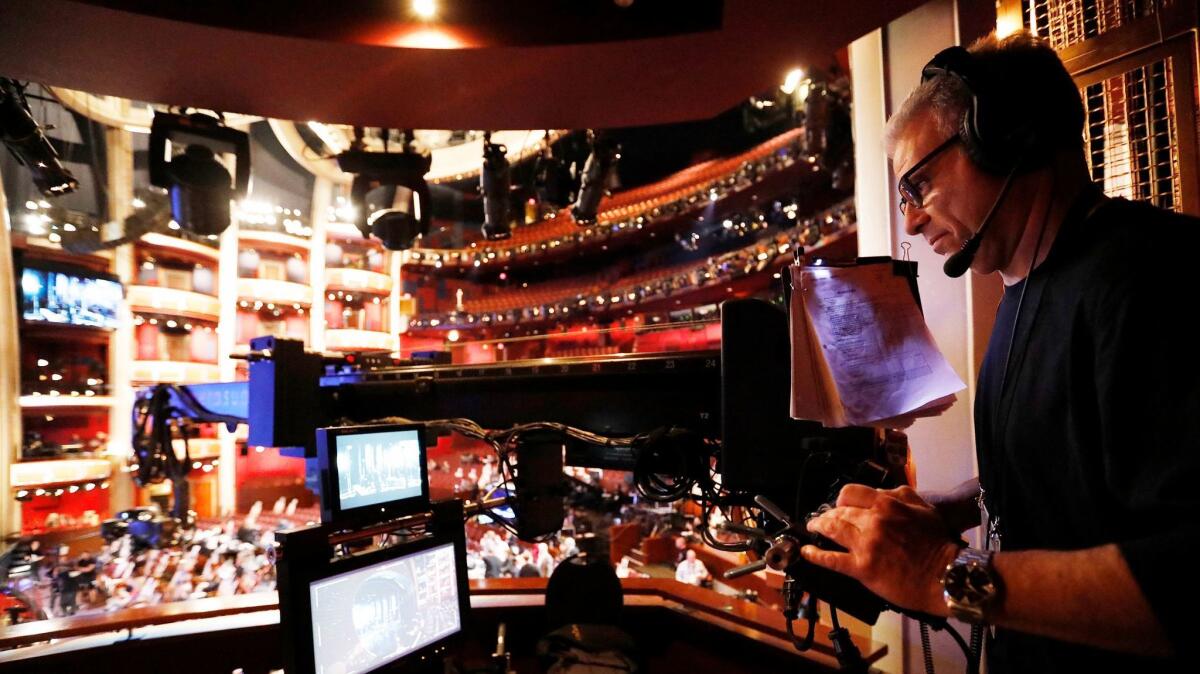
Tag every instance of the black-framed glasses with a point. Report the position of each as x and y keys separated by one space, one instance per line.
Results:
x=909 y=192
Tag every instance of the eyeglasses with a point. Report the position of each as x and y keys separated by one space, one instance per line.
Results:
x=910 y=193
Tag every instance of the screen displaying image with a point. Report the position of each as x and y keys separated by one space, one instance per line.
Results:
x=367 y=618
x=374 y=468
x=69 y=299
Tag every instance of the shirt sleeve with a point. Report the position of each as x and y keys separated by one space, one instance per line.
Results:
x=1148 y=395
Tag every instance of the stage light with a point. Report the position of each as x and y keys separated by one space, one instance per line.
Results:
x=398 y=211
x=791 y=81
x=552 y=180
x=453 y=335
x=200 y=187
x=426 y=9
x=601 y=164
x=24 y=138
x=495 y=183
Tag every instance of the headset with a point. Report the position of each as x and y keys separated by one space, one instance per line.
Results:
x=997 y=136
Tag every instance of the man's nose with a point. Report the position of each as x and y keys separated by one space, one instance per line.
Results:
x=914 y=220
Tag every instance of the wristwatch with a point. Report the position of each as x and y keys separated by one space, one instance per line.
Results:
x=970 y=585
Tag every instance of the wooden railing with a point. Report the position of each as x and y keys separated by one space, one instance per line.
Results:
x=755 y=621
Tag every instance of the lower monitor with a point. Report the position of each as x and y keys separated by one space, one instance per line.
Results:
x=366 y=619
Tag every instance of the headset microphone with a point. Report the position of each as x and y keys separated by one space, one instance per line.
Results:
x=958 y=263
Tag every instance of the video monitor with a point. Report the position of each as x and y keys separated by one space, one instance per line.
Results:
x=61 y=295
x=372 y=473
x=371 y=617
x=376 y=611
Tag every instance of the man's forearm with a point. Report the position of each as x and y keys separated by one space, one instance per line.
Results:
x=1083 y=596
x=958 y=507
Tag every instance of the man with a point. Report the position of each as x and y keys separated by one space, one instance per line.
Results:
x=691 y=570
x=1088 y=404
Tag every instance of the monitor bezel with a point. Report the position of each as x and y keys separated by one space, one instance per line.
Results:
x=297 y=621
x=332 y=511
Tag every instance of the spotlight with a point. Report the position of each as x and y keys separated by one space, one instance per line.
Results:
x=495 y=183
x=397 y=180
x=199 y=186
x=792 y=81
x=25 y=140
x=552 y=180
x=596 y=173
x=426 y=9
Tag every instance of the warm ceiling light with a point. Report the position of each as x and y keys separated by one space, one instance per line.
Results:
x=426 y=9
x=453 y=336
x=791 y=81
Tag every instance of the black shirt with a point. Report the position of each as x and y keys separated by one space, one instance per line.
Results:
x=1096 y=436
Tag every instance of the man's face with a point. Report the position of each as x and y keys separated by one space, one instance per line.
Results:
x=955 y=193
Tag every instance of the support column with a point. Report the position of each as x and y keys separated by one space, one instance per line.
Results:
x=119 y=151
x=227 y=294
x=322 y=198
x=397 y=322
x=10 y=376
x=872 y=175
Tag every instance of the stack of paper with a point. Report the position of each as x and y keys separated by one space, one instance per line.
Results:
x=861 y=352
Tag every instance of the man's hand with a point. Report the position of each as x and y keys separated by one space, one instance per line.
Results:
x=896 y=545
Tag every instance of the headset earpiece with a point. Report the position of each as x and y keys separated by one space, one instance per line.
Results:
x=995 y=142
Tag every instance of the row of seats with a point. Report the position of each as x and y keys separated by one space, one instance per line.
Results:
x=571 y=296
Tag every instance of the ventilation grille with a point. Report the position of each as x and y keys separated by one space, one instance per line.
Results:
x=1130 y=135
x=1067 y=22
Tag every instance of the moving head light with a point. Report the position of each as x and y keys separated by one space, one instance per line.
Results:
x=404 y=213
x=23 y=136
x=596 y=173
x=495 y=183
x=200 y=187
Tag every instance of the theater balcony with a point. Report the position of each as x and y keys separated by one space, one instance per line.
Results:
x=164 y=301
x=739 y=273
x=261 y=292
x=354 y=340
x=148 y=372
x=163 y=243
x=624 y=219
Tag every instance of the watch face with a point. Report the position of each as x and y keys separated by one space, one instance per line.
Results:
x=969 y=584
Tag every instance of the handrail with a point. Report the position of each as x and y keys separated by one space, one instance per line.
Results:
x=701 y=603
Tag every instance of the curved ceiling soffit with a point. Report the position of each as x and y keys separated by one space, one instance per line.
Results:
x=456 y=162
x=450 y=163
x=594 y=85
x=120 y=112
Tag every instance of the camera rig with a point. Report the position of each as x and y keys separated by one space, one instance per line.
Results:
x=712 y=426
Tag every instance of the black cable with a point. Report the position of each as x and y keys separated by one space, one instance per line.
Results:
x=976 y=644
x=926 y=648
x=848 y=655
x=810 y=615
x=972 y=663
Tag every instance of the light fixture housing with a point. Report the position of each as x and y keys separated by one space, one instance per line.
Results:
x=24 y=138
x=404 y=213
x=200 y=187
x=597 y=172
x=495 y=184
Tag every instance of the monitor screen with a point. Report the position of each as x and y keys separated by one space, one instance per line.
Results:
x=372 y=473
x=374 y=468
x=367 y=618
x=63 y=297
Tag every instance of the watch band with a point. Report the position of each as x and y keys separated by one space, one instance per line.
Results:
x=970 y=585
